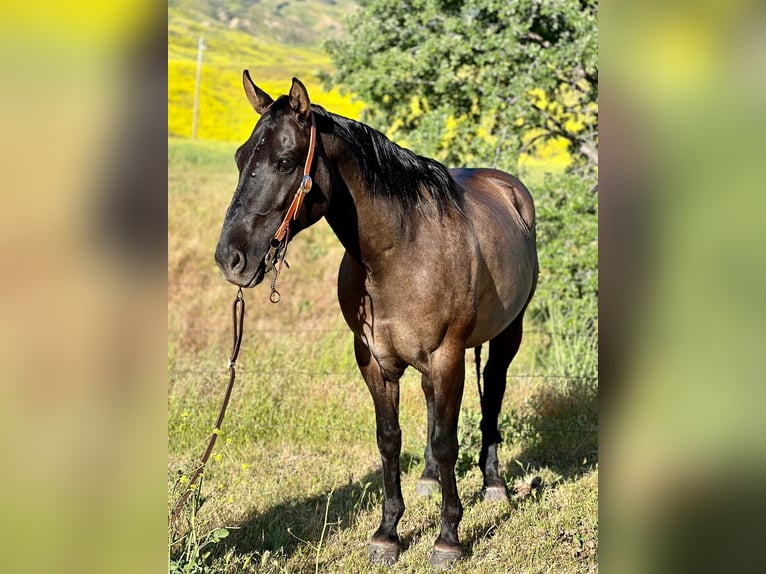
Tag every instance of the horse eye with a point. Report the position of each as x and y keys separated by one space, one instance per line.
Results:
x=284 y=164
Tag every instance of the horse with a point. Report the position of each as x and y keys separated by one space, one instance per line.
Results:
x=436 y=261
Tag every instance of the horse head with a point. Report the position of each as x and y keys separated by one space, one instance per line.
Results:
x=271 y=171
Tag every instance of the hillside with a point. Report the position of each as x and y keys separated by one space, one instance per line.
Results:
x=290 y=22
x=275 y=40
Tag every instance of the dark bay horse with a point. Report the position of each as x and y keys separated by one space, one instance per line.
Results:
x=436 y=262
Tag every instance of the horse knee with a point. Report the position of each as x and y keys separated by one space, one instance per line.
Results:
x=390 y=443
x=444 y=447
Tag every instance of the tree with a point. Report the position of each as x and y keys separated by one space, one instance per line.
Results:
x=476 y=81
x=482 y=83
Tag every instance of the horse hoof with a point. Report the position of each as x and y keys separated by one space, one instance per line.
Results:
x=495 y=494
x=426 y=487
x=384 y=553
x=445 y=557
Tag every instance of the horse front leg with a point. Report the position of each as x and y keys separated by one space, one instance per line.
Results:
x=384 y=546
x=429 y=480
x=447 y=377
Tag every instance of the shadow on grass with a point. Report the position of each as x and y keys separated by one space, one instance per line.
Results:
x=287 y=526
x=293 y=523
x=559 y=431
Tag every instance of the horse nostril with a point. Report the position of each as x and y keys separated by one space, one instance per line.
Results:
x=236 y=260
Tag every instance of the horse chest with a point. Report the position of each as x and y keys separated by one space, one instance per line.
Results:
x=400 y=329
x=395 y=343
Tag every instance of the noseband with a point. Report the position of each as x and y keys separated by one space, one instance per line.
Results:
x=278 y=246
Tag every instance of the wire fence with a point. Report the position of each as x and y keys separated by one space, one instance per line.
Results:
x=211 y=377
x=259 y=367
x=312 y=373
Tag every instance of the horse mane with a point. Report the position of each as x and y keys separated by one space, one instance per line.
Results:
x=409 y=181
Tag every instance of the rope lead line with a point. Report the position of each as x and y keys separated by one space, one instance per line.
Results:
x=238 y=319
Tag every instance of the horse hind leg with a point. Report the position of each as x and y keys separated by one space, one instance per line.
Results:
x=502 y=349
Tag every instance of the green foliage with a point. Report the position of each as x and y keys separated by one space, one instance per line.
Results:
x=476 y=81
x=196 y=555
x=566 y=301
x=191 y=550
x=512 y=85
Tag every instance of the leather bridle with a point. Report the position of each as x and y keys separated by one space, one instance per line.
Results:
x=278 y=246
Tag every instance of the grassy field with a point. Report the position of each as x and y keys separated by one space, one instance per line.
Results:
x=295 y=478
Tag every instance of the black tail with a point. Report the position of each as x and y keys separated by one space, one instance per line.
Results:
x=477 y=356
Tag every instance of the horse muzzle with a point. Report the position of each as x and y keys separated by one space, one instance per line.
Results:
x=237 y=268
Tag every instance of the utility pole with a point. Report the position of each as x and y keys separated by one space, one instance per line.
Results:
x=200 y=48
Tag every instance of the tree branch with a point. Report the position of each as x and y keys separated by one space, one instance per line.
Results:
x=583 y=145
x=537 y=39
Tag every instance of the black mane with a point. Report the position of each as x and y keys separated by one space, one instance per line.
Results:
x=412 y=182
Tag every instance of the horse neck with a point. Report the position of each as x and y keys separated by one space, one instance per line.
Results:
x=363 y=226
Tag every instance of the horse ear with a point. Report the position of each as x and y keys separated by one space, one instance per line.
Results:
x=299 y=98
x=259 y=99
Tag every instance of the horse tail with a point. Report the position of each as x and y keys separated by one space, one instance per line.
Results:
x=477 y=357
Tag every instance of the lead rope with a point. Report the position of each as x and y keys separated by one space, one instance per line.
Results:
x=238 y=318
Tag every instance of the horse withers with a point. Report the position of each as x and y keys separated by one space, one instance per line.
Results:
x=436 y=262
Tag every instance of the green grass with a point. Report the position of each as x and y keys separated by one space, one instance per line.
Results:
x=298 y=442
